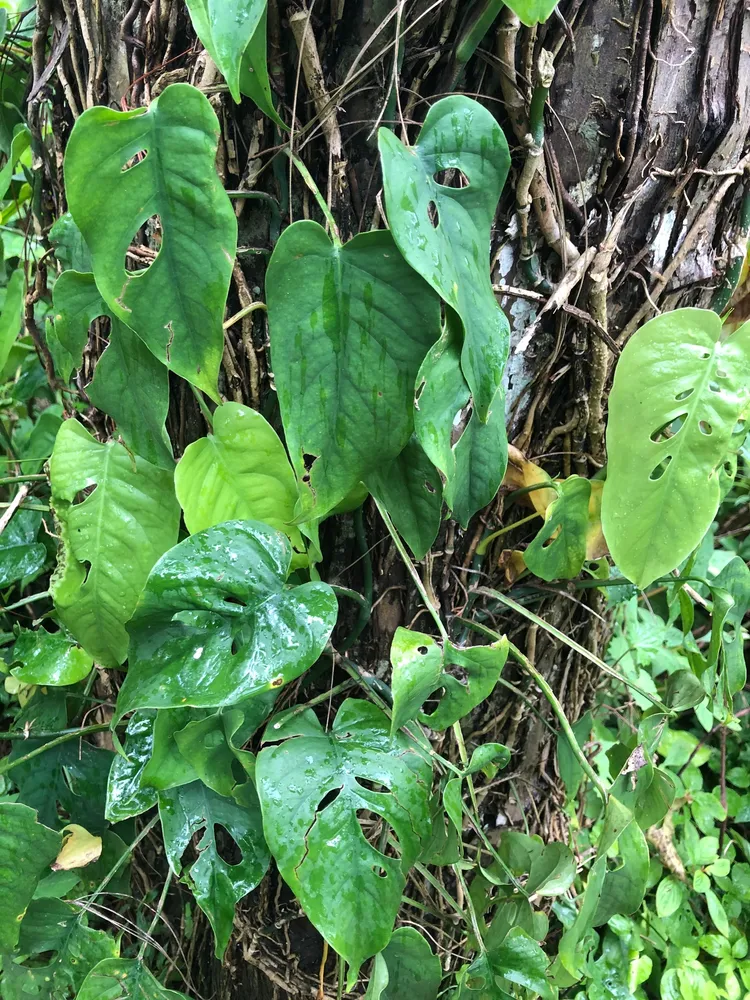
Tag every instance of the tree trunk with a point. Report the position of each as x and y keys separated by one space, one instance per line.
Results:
x=635 y=207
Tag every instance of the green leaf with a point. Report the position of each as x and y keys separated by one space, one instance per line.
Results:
x=486 y=755
x=217 y=623
x=570 y=770
x=167 y=767
x=27 y=849
x=226 y=27
x=453 y=802
x=127 y=796
x=216 y=885
x=417 y=668
x=625 y=886
x=51 y=925
x=312 y=787
x=110 y=540
x=559 y=549
x=20 y=553
x=124 y=979
x=42 y=439
x=241 y=471
x=481 y=667
x=684 y=690
x=552 y=872
x=254 y=81
x=735 y=580
x=675 y=368
x=411 y=490
x=532 y=12
x=670 y=895
x=176 y=306
x=11 y=316
x=21 y=142
x=518 y=959
x=717 y=912
x=350 y=326
x=210 y=745
x=405 y=968
x=77 y=302
x=49 y=658
x=69 y=245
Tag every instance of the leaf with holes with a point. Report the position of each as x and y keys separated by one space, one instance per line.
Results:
x=217 y=622
x=559 y=549
x=313 y=788
x=124 y=979
x=240 y=471
x=411 y=490
x=131 y=166
x=407 y=967
x=444 y=231
x=350 y=326
x=469 y=676
x=226 y=27
x=680 y=388
x=49 y=658
x=77 y=302
x=217 y=884
x=27 y=848
x=532 y=12
x=417 y=668
x=517 y=960
x=21 y=555
x=110 y=540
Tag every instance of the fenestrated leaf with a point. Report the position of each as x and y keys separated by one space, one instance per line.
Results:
x=226 y=27
x=350 y=326
x=559 y=549
x=77 y=302
x=240 y=471
x=176 y=306
x=12 y=313
x=127 y=796
x=417 y=668
x=411 y=490
x=676 y=368
x=27 y=848
x=110 y=540
x=479 y=668
x=532 y=12
x=124 y=979
x=49 y=658
x=216 y=622
x=20 y=553
x=311 y=788
x=216 y=885
x=405 y=968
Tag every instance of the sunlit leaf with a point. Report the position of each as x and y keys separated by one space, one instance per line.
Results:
x=532 y=12
x=80 y=848
x=559 y=549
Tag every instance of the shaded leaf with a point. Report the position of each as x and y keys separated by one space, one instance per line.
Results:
x=11 y=315
x=127 y=796
x=124 y=979
x=406 y=967
x=254 y=81
x=226 y=28
x=479 y=668
x=552 y=872
x=27 y=848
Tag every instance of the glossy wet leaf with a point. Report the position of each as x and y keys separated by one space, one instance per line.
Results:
x=240 y=471
x=217 y=623
x=312 y=788
x=226 y=27
x=518 y=960
x=79 y=848
x=479 y=668
x=532 y=12
x=444 y=232
x=678 y=392
x=11 y=316
x=21 y=555
x=407 y=967
x=110 y=540
x=417 y=668
x=49 y=658
x=168 y=768
x=124 y=979
x=127 y=796
x=216 y=885
x=559 y=549
x=670 y=895
x=27 y=848
x=350 y=326
x=176 y=306
x=411 y=490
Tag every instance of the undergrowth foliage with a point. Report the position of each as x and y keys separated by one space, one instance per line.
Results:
x=201 y=580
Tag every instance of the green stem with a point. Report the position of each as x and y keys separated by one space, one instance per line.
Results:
x=122 y=859
x=341 y=978
x=365 y=607
x=322 y=203
x=470 y=906
x=441 y=890
x=66 y=737
x=207 y=415
x=8 y=480
x=484 y=544
x=246 y=311
x=157 y=914
x=28 y=506
x=26 y=600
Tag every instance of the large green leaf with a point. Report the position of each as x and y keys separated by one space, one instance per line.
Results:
x=663 y=488
x=350 y=326
x=217 y=623
x=226 y=27
x=532 y=12
x=110 y=540
x=12 y=313
x=407 y=967
x=216 y=885
x=176 y=306
x=124 y=979
x=21 y=555
x=559 y=549
x=241 y=471
x=49 y=658
x=312 y=786
x=27 y=848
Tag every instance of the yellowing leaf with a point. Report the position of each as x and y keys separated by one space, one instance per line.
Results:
x=596 y=544
x=79 y=849
x=521 y=473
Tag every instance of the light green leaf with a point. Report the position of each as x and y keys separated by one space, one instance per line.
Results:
x=675 y=368
x=226 y=27
x=488 y=754
x=77 y=302
x=625 y=886
x=11 y=316
x=417 y=668
x=406 y=968
x=241 y=471
x=217 y=623
x=124 y=979
x=670 y=895
x=553 y=871
x=21 y=142
x=312 y=787
x=216 y=885
x=27 y=848
x=49 y=658
x=110 y=540
x=559 y=549
x=735 y=579
x=350 y=326
x=532 y=12
x=717 y=912
x=481 y=667
x=176 y=306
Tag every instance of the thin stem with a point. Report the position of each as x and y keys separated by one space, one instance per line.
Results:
x=207 y=415
x=470 y=906
x=322 y=204
x=121 y=860
x=9 y=480
x=8 y=765
x=246 y=311
x=341 y=978
x=484 y=544
x=441 y=890
x=27 y=506
x=157 y=914
x=26 y=600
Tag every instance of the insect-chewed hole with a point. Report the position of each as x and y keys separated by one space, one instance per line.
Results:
x=226 y=846
x=433 y=215
x=452 y=178
x=739 y=428
x=714 y=386
x=433 y=701
x=235 y=600
x=308 y=461
x=668 y=430
x=429 y=487
x=685 y=394
x=422 y=650
x=328 y=799
x=371 y=786
x=134 y=160
x=660 y=469
x=705 y=428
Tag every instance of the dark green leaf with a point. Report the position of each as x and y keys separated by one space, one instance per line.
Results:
x=127 y=796
x=69 y=245
x=684 y=690
x=570 y=770
x=406 y=968
x=625 y=886
x=488 y=754
x=254 y=81
x=12 y=313
x=124 y=979
x=26 y=850
x=552 y=872
x=20 y=553
x=226 y=28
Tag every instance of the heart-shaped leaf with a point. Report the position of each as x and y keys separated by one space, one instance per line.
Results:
x=21 y=555
x=680 y=388
x=559 y=549
x=226 y=27
x=407 y=967
x=519 y=960
x=217 y=623
x=240 y=471
x=49 y=658
x=110 y=540
x=128 y=166
x=254 y=82
x=532 y=12
x=124 y=979
x=216 y=885
x=553 y=871
x=350 y=326
x=312 y=788
x=27 y=848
